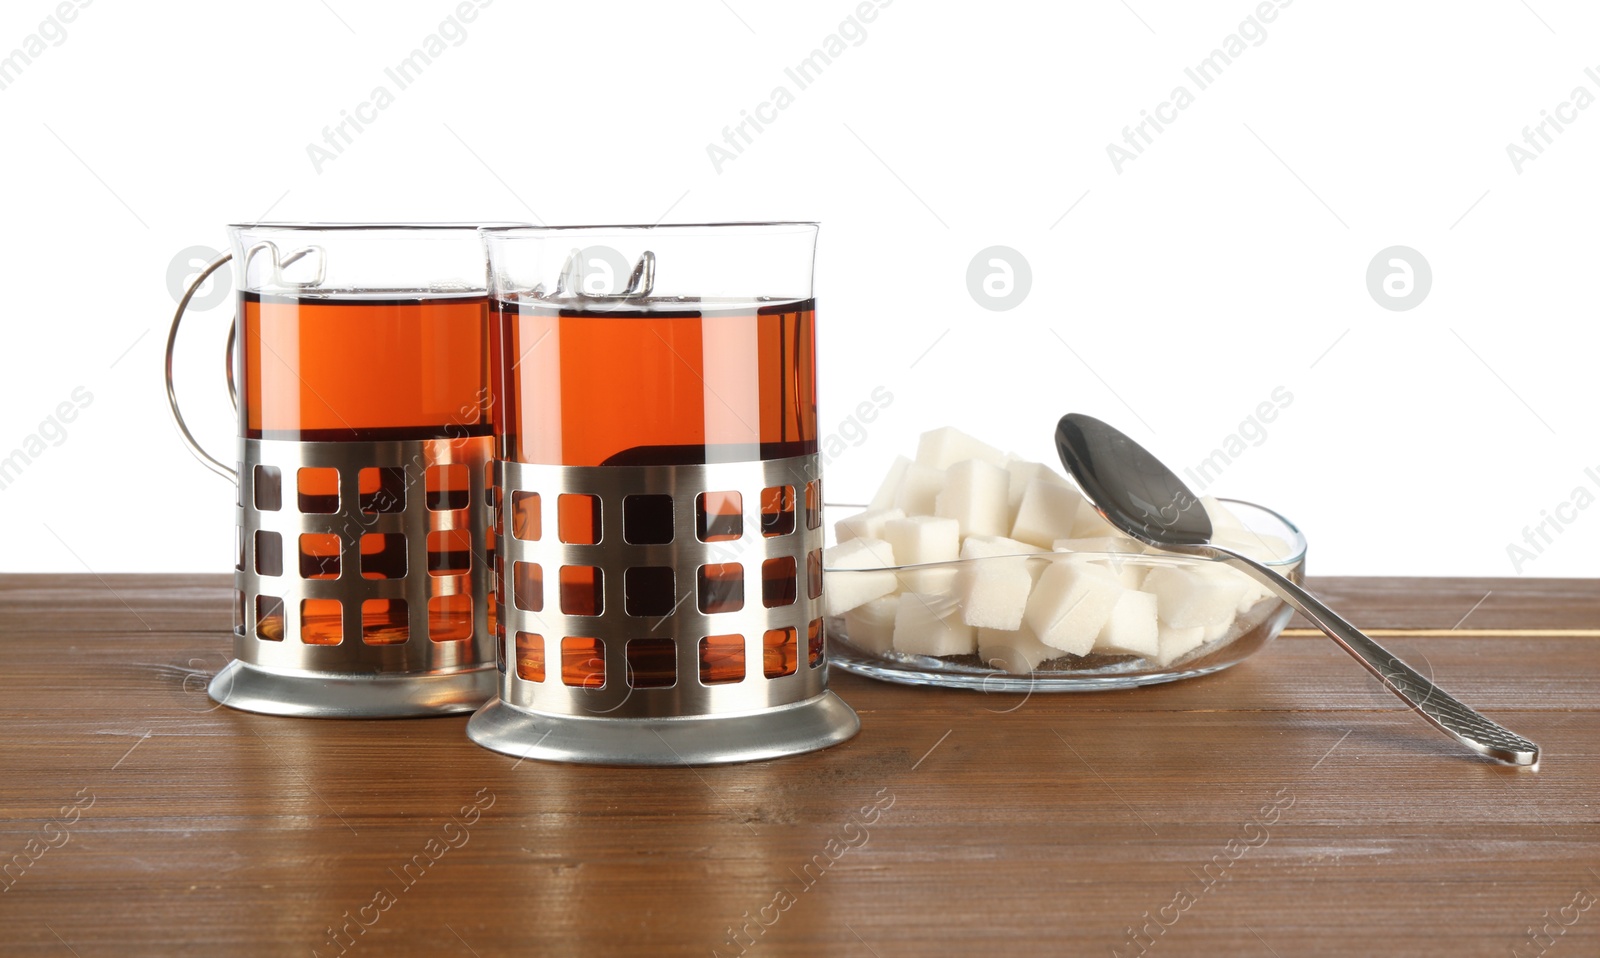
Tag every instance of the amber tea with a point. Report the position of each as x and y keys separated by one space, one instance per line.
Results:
x=363 y=368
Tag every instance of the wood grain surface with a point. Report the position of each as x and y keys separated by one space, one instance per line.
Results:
x=1288 y=806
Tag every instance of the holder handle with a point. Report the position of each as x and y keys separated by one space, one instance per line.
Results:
x=206 y=459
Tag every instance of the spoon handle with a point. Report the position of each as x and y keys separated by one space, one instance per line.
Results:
x=1444 y=711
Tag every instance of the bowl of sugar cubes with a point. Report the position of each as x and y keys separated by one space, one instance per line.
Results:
x=975 y=568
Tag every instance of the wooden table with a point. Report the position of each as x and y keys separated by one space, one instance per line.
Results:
x=1289 y=806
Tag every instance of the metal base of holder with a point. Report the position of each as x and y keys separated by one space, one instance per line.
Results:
x=806 y=726
x=309 y=695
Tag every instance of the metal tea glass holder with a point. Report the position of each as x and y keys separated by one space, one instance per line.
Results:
x=325 y=624
x=696 y=683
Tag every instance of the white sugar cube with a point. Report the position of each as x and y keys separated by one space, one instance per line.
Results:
x=859 y=553
x=866 y=525
x=1016 y=651
x=849 y=589
x=1132 y=628
x=935 y=579
x=1229 y=532
x=1020 y=472
x=1047 y=512
x=1235 y=582
x=1258 y=546
x=1218 y=629
x=1176 y=643
x=1222 y=518
x=974 y=495
x=870 y=626
x=943 y=448
x=884 y=498
x=1254 y=592
x=919 y=489
x=994 y=591
x=930 y=625
x=1090 y=524
x=1129 y=573
x=1191 y=597
x=1250 y=592
x=923 y=538
x=1071 y=604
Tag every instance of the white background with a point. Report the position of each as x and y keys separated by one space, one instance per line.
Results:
x=1227 y=260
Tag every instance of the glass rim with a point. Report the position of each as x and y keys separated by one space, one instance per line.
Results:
x=315 y=227
x=797 y=225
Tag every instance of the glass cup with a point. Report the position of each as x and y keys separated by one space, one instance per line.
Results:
x=360 y=370
x=659 y=532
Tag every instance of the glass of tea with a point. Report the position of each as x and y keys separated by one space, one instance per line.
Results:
x=361 y=370
x=659 y=569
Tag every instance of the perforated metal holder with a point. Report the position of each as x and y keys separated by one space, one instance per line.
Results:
x=661 y=687
x=368 y=603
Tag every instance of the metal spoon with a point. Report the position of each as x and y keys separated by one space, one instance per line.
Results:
x=1143 y=498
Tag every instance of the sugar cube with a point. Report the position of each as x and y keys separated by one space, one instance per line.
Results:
x=866 y=525
x=974 y=495
x=1020 y=472
x=923 y=538
x=1071 y=604
x=1130 y=573
x=937 y=578
x=1188 y=598
x=1175 y=643
x=929 y=625
x=1256 y=545
x=1017 y=651
x=1091 y=525
x=1234 y=582
x=1132 y=628
x=943 y=448
x=870 y=626
x=884 y=498
x=1228 y=531
x=1253 y=593
x=859 y=553
x=994 y=591
x=919 y=489
x=1047 y=512
x=1222 y=518
x=858 y=583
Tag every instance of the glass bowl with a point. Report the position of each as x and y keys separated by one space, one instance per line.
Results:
x=941 y=589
